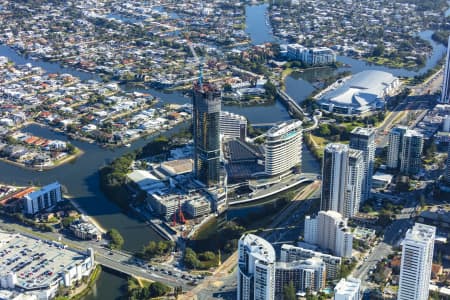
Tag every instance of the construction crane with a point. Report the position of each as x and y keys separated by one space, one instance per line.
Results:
x=178 y=213
x=197 y=60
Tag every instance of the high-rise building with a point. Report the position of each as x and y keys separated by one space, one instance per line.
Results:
x=342 y=179
x=334 y=177
x=364 y=139
x=206 y=123
x=332 y=233
x=355 y=173
x=348 y=289
x=445 y=98
x=256 y=269
x=310 y=230
x=42 y=199
x=417 y=260
x=290 y=253
x=305 y=275
x=395 y=146
x=447 y=171
x=411 y=157
x=233 y=125
x=283 y=147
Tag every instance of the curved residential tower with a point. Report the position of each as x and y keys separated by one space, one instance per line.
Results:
x=283 y=147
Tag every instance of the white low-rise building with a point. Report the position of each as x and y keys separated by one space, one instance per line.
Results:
x=43 y=199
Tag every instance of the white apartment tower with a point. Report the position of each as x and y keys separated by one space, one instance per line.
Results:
x=310 y=230
x=334 y=177
x=332 y=233
x=42 y=199
x=364 y=139
x=411 y=157
x=342 y=179
x=306 y=275
x=355 y=173
x=417 y=259
x=348 y=289
x=233 y=125
x=445 y=98
x=256 y=269
x=395 y=146
x=283 y=147
x=447 y=171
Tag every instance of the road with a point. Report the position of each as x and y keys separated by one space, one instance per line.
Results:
x=424 y=90
x=117 y=260
x=393 y=235
x=222 y=285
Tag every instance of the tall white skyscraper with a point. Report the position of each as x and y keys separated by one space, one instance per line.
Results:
x=256 y=269
x=364 y=139
x=342 y=175
x=411 y=157
x=332 y=233
x=334 y=177
x=445 y=98
x=447 y=171
x=395 y=146
x=355 y=174
x=283 y=147
x=417 y=260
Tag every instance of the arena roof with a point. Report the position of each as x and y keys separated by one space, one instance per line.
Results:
x=361 y=90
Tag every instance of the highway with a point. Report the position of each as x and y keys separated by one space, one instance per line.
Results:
x=222 y=285
x=117 y=260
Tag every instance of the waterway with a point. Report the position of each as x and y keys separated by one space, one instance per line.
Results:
x=258 y=25
x=81 y=177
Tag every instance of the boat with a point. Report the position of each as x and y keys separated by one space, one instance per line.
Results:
x=127 y=145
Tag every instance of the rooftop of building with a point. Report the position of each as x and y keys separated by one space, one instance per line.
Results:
x=144 y=179
x=313 y=262
x=399 y=129
x=365 y=131
x=36 y=263
x=206 y=87
x=382 y=176
x=260 y=248
x=237 y=150
x=336 y=147
x=421 y=232
x=361 y=89
x=283 y=128
x=347 y=286
x=44 y=189
x=179 y=166
x=233 y=115
x=412 y=133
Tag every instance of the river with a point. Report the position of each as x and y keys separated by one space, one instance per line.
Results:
x=81 y=177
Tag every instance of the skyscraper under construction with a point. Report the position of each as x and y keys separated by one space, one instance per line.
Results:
x=206 y=122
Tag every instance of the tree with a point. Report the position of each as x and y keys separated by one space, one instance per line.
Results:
x=157 y=289
x=324 y=130
x=116 y=239
x=289 y=292
x=378 y=50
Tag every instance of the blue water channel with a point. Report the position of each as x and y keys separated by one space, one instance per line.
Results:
x=81 y=176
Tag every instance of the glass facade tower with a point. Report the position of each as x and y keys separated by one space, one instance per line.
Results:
x=206 y=122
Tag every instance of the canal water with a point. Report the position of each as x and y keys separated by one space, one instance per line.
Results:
x=81 y=177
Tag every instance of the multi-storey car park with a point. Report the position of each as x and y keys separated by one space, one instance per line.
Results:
x=37 y=267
